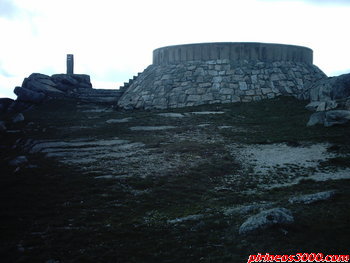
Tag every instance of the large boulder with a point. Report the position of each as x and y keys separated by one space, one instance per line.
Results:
x=329 y=118
x=42 y=83
x=65 y=82
x=266 y=219
x=27 y=95
x=4 y=104
x=330 y=89
x=330 y=97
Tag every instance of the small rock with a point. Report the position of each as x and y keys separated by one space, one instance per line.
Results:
x=3 y=127
x=316 y=118
x=313 y=105
x=266 y=219
x=312 y=198
x=118 y=120
x=151 y=128
x=171 y=115
x=19 y=160
x=186 y=218
x=207 y=112
x=18 y=118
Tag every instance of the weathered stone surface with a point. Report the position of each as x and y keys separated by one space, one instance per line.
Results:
x=66 y=82
x=27 y=95
x=312 y=198
x=266 y=219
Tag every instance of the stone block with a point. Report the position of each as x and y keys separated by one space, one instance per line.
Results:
x=194 y=98
x=266 y=90
x=243 y=85
x=271 y=95
x=207 y=97
x=254 y=79
x=213 y=72
x=247 y=99
x=217 y=79
x=250 y=92
x=205 y=85
x=235 y=99
x=226 y=91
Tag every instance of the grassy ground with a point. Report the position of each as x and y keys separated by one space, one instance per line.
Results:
x=53 y=211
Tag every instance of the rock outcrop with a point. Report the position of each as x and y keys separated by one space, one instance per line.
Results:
x=330 y=99
x=39 y=87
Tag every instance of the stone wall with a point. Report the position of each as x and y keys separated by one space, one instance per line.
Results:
x=192 y=83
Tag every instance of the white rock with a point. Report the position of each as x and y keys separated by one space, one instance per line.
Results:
x=266 y=219
x=312 y=198
x=171 y=115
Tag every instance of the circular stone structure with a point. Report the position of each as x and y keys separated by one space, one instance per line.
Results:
x=195 y=74
x=232 y=51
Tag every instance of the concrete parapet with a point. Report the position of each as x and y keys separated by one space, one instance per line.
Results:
x=233 y=51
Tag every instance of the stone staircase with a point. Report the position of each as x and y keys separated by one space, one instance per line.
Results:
x=105 y=96
x=127 y=84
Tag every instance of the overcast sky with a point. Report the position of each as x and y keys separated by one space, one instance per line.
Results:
x=112 y=40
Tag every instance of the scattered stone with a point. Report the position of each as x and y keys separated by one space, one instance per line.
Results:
x=203 y=125
x=151 y=128
x=312 y=198
x=336 y=117
x=316 y=118
x=186 y=218
x=118 y=120
x=171 y=115
x=245 y=209
x=18 y=118
x=207 y=112
x=111 y=176
x=224 y=127
x=18 y=161
x=266 y=219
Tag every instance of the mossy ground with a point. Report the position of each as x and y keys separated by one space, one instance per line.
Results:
x=52 y=211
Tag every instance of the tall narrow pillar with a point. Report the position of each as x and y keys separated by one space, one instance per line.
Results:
x=70 y=64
